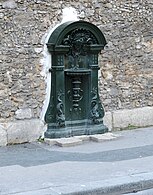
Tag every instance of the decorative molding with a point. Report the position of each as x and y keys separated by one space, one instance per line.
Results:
x=57 y=68
x=60 y=60
x=76 y=94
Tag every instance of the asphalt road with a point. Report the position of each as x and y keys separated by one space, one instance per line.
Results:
x=117 y=166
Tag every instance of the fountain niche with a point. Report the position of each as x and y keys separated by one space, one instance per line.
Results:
x=74 y=107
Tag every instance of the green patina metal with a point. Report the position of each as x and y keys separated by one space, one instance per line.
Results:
x=74 y=107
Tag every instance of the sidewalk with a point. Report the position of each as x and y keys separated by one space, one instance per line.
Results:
x=119 y=166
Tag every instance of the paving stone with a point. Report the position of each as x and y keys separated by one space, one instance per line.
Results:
x=76 y=140
x=83 y=137
x=66 y=142
x=103 y=137
x=50 y=142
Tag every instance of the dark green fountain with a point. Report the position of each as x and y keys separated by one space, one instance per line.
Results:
x=74 y=107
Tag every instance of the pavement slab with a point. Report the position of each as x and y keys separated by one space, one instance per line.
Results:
x=77 y=140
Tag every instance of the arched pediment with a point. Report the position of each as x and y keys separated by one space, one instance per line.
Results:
x=76 y=32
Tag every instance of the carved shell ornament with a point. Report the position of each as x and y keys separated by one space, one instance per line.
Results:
x=79 y=41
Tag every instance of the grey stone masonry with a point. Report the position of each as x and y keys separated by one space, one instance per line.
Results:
x=126 y=79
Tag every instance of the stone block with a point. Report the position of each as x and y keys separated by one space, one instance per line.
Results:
x=83 y=137
x=10 y=4
x=24 y=131
x=108 y=120
x=103 y=137
x=138 y=117
x=25 y=113
x=67 y=142
x=3 y=136
x=50 y=142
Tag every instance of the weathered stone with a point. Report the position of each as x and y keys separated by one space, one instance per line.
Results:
x=103 y=137
x=3 y=136
x=24 y=131
x=126 y=62
x=68 y=142
x=9 y=4
x=77 y=140
x=139 y=117
x=83 y=137
x=50 y=142
x=108 y=5
x=25 y=113
x=1 y=15
x=108 y=120
x=38 y=50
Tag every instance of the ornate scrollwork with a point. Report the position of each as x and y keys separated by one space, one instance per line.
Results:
x=60 y=113
x=94 y=107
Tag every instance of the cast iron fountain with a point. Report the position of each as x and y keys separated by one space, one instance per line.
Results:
x=75 y=107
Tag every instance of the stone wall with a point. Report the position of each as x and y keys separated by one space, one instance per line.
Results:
x=126 y=79
x=127 y=63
